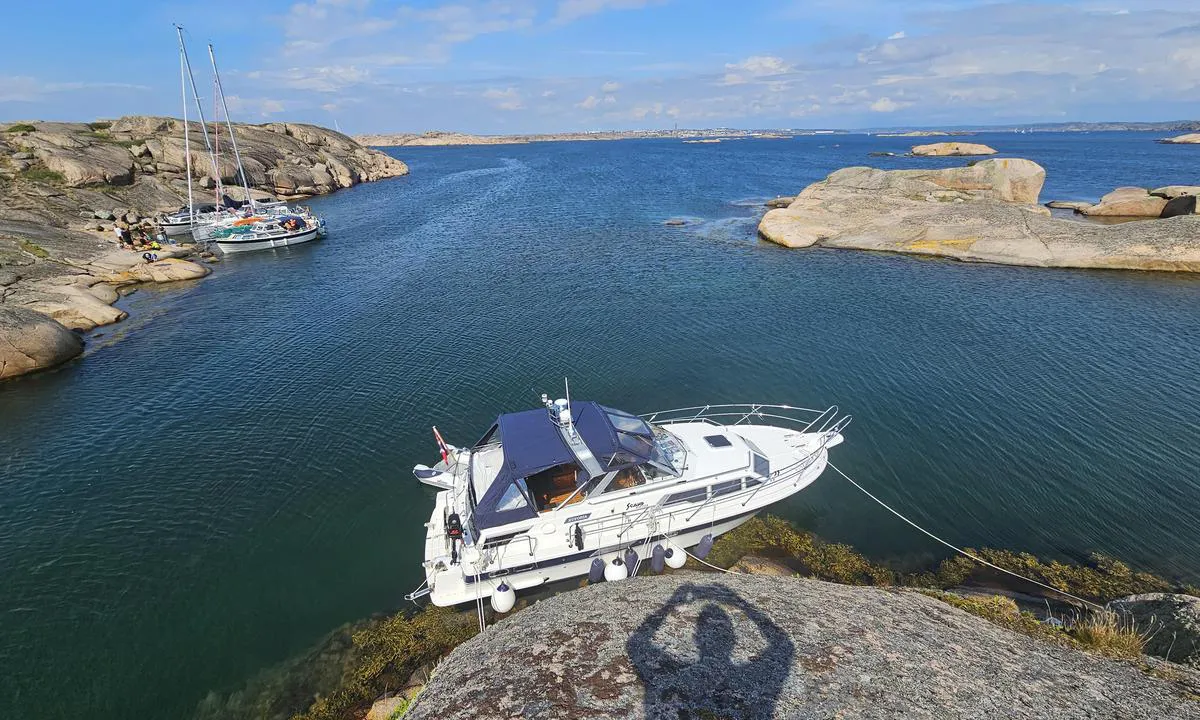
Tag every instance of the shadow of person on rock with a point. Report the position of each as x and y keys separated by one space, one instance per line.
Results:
x=715 y=685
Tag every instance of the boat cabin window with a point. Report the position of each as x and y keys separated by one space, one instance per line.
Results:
x=762 y=466
x=687 y=496
x=626 y=479
x=514 y=497
x=552 y=486
x=724 y=488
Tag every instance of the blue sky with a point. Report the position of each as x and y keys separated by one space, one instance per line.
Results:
x=500 y=66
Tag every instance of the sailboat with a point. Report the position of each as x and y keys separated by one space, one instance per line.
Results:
x=259 y=225
x=187 y=218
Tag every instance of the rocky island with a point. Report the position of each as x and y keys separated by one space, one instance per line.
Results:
x=952 y=149
x=987 y=212
x=1188 y=139
x=64 y=185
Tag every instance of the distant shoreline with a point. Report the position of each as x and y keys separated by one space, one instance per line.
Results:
x=440 y=138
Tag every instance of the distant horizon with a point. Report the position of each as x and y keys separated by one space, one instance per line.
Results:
x=731 y=128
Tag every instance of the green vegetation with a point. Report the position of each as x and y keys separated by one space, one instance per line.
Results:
x=20 y=128
x=775 y=537
x=100 y=125
x=1106 y=634
x=34 y=249
x=42 y=174
x=387 y=653
x=1100 y=580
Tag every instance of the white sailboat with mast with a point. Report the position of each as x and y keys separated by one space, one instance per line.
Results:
x=260 y=226
x=185 y=220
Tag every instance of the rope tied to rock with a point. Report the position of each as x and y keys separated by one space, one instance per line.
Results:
x=955 y=548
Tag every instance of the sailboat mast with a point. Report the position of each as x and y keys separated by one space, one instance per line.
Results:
x=229 y=123
x=217 y=139
x=187 y=150
x=199 y=106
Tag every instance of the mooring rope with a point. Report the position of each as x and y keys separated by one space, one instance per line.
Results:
x=959 y=550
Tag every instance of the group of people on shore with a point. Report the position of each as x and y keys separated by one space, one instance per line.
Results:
x=139 y=239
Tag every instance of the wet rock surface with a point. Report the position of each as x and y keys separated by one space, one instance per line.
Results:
x=739 y=646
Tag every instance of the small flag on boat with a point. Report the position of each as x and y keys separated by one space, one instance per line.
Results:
x=441 y=445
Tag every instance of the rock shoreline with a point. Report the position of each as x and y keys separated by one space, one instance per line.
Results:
x=987 y=212
x=700 y=645
x=63 y=187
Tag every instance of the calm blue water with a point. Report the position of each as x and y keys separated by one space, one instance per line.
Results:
x=225 y=477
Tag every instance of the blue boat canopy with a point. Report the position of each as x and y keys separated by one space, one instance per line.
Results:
x=532 y=443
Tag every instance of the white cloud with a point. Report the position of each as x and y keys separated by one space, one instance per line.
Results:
x=886 y=105
x=897 y=36
x=588 y=103
x=610 y=87
x=754 y=68
x=507 y=99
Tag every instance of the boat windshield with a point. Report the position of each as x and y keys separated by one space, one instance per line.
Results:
x=668 y=454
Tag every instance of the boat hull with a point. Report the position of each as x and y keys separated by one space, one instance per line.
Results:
x=234 y=245
x=548 y=572
x=175 y=229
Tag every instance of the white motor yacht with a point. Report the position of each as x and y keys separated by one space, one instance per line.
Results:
x=581 y=489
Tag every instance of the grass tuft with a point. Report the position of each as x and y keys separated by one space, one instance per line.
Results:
x=1106 y=634
x=42 y=174
x=20 y=128
x=99 y=125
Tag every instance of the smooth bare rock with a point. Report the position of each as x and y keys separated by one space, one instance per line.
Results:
x=75 y=306
x=976 y=214
x=1128 y=202
x=167 y=270
x=31 y=341
x=952 y=149
x=1171 y=192
x=690 y=645
x=1171 y=623
x=1189 y=139
x=780 y=202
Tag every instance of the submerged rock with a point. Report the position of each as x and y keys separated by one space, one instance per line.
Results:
x=31 y=341
x=952 y=149
x=741 y=646
x=1171 y=624
x=983 y=213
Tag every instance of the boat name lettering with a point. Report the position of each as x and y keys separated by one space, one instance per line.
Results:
x=579 y=518
x=630 y=506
